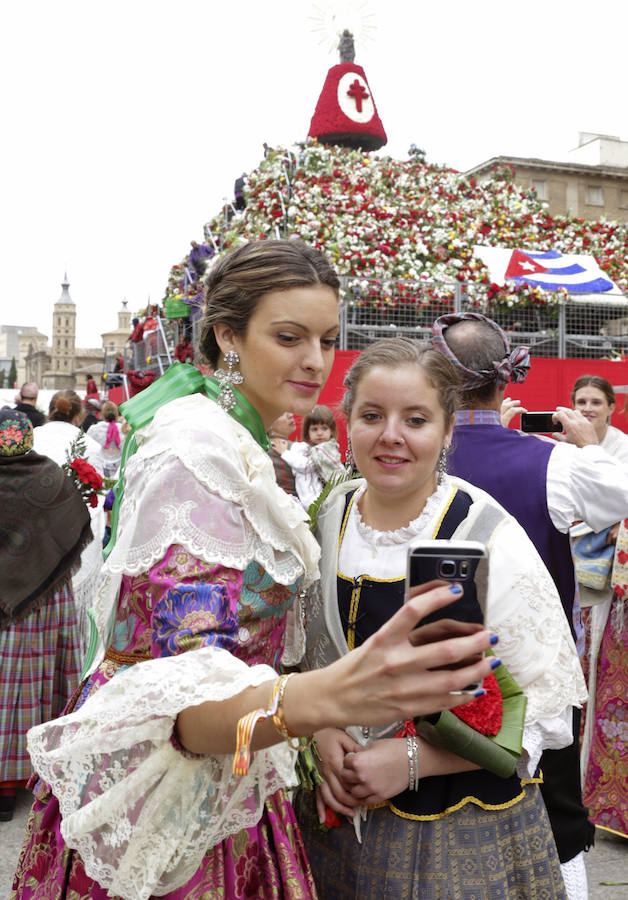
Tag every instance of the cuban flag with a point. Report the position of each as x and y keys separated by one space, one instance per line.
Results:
x=549 y=270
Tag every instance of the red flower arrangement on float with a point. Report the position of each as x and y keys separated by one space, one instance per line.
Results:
x=403 y=231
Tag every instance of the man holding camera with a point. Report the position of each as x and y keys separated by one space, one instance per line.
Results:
x=546 y=486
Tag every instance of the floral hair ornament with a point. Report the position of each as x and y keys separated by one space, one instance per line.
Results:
x=513 y=367
x=16 y=433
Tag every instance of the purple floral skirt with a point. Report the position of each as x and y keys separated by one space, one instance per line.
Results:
x=267 y=861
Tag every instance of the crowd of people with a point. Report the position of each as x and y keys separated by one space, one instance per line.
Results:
x=261 y=687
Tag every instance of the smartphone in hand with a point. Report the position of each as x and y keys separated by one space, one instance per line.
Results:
x=539 y=422
x=460 y=562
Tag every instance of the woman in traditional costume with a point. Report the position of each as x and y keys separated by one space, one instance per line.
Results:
x=57 y=438
x=605 y=736
x=427 y=822
x=168 y=778
x=44 y=527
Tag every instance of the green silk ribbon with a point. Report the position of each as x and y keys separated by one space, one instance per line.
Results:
x=180 y=380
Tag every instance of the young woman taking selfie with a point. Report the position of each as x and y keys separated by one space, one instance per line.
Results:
x=167 y=776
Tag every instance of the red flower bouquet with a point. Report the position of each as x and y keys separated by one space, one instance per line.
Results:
x=488 y=731
x=86 y=479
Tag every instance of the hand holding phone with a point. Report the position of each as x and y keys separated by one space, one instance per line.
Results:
x=461 y=562
x=540 y=423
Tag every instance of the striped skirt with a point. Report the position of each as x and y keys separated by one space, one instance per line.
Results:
x=39 y=669
x=470 y=854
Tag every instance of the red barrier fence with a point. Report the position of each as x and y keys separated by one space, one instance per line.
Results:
x=547 y=386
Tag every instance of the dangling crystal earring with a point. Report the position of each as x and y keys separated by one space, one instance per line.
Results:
x=349 y=460
x=226 y=398
x=442 y=465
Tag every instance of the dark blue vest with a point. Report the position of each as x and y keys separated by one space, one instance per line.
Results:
x=512 y=468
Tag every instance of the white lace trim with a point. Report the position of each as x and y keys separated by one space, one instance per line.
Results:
x=142 y=814
x=413 y=529
x=546 y=734
x=194 y=434
x=534 y=640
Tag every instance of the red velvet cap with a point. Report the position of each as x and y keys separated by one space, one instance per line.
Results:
x=346 y=114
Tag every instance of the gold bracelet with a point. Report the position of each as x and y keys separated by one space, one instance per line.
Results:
x=297 y=742
x=278 y=716
x=246 y=726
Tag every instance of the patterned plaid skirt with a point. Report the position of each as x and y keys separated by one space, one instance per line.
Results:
x=470 y=854
x=40 y=667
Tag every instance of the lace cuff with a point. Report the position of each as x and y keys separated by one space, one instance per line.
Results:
x=141 y=814
x=546 y=734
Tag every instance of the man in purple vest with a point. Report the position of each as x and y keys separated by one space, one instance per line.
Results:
x=546 y=485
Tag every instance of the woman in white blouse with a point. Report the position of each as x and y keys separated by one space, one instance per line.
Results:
x=451 y=823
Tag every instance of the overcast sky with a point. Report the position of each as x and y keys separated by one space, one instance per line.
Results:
x=125 y=123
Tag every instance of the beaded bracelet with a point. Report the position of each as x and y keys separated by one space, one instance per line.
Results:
x=413 y=762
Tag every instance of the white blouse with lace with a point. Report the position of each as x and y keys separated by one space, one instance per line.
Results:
x=522 y=607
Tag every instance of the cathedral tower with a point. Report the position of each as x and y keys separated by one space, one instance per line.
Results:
x=63 y=341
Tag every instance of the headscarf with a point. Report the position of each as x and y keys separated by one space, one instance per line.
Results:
x=513 y=366
x=44 y=524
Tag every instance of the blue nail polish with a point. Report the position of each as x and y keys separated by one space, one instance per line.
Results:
x=479 y=693
x=455 y=589
x=494 y=640
x=495 y=663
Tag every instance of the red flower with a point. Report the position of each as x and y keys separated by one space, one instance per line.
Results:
x=93 y=499
x=622 y=556
x=484 y=714
x=331 y=819
x=408 y=729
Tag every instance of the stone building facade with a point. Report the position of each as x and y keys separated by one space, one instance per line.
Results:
x=592 y=184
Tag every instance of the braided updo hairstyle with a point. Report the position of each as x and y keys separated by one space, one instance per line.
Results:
x=241 y=277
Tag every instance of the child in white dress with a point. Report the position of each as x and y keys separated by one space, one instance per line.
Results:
x=316 y=458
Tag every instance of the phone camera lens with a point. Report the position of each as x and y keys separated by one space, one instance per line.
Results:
x=447 y=568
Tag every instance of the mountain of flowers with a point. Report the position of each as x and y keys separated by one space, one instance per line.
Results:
x=403 y=231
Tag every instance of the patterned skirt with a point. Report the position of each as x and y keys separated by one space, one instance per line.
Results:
x=605 y=789
x=470 y=854
x=265 y=861
x=40 y=669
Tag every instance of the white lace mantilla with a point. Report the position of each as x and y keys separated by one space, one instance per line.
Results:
x=199 y=479
x=141 y=813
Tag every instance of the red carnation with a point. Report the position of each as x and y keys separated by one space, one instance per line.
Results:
x=93 y=499
x=484 y=714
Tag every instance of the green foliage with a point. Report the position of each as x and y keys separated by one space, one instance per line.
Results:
x=12 y=374
x=314 y=507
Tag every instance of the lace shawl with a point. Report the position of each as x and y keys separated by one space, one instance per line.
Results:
x=141 y=812
x=200 y=480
